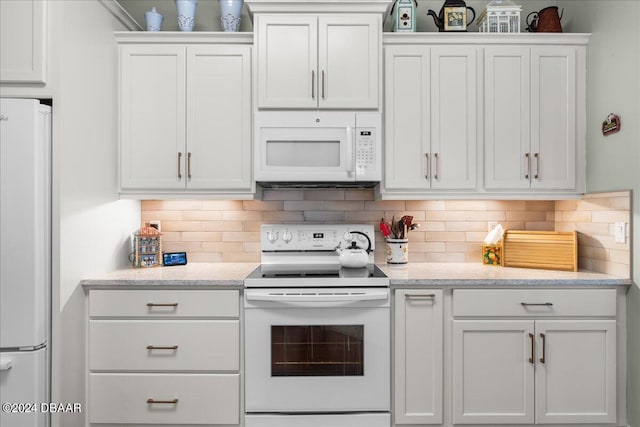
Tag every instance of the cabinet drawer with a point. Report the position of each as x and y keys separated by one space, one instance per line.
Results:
x=534 y=302
x=198 y=399
x=208 y=345
x=164 y=303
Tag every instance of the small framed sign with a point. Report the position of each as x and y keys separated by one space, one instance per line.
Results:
x=611 y=124
x=455 y=19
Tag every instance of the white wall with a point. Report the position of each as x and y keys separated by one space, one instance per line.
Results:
x=613 y=86
x=91 y=226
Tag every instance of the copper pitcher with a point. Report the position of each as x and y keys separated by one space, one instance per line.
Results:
x=546 y=20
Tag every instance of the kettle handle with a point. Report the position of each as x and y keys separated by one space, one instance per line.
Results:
x=365 y=235
x=474 y=15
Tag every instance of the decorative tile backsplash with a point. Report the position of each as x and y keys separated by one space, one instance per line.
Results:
x=450 y=230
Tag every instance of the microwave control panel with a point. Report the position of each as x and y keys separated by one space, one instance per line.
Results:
x=368 y=147
x=365 y=149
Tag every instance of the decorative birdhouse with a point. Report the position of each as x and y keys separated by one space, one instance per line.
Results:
x=403 y=16
x=500 y=16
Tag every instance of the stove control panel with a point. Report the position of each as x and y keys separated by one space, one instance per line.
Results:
x=314 y=237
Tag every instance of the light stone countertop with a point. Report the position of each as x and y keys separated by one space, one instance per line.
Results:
x=218 y=275
x=461 y=274
x=232 y=275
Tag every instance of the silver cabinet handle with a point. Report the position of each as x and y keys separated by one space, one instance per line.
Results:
x=313 y=84
x=537 y=156
x=322 y=84
x=169 y=402
x=437 y=166
x=525 y=304
x=419 y=296
x=426 y=175
x=527 y=161
x=161 y=347
x=179 y=165
x=189 y=165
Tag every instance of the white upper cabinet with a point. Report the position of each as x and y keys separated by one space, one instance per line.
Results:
x=185 y=118
x=430 y=117
x=23 y=43
x=484 y=115
x=530 y=118
x=152 y=112
x=308 y=61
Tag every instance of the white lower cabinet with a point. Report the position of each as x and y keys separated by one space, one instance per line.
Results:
x=164 y=357
x=517 y=360
x=418 y=357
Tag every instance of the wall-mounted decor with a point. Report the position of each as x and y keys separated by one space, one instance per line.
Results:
x=611 y=125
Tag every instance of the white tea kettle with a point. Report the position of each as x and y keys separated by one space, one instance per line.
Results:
x=354 y=256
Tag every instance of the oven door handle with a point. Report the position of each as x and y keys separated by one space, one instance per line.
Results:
x=292 y=298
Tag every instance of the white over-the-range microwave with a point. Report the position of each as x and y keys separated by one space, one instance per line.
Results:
x=323 y=148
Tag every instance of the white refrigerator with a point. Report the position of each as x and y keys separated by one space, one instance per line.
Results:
x=25 y=261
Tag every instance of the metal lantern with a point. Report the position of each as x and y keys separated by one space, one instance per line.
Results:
x=500 y=16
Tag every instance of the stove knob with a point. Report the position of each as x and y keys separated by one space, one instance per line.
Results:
x=287 y=236
x=272 y=236
x=347 y=236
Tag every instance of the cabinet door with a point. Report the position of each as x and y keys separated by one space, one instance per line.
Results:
x=576 y=371
x=218 y=117
x=23 y=41
x=553 y=117
x=493 y=372
x=287 y=51
x=349 y=60
x=418 y=356
x=453 y=117
x=507 y=155
x=407 y=112
x=152 y=117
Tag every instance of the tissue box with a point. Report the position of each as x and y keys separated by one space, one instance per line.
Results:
x=492 y=254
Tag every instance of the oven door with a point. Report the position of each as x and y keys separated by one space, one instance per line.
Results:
x=304 y=147
x=317 y=350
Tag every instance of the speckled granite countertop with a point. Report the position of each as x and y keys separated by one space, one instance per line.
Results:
x=222 y=275
x=232 y=275
x=445 y=274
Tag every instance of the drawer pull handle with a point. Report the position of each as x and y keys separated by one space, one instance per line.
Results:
x=167 y=402
x=154 y=304
x=159 y=347
x=531 y=359
x=544 y=347
x=526 y=304
x=420 y=296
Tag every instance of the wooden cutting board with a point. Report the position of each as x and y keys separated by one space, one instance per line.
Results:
x=549 y=250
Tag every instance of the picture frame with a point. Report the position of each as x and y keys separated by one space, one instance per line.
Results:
x=455 y=18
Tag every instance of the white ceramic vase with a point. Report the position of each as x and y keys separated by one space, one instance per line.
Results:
x=230 y=11
x=186 y=14
x=154 y=20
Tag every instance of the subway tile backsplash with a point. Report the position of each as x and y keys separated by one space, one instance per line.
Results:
x=450 y=231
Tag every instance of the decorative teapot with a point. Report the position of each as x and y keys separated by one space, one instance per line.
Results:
x=453 y=16
x=354 y=256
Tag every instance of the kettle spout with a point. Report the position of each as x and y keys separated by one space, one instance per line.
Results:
x=435 y=17
x=338 y=248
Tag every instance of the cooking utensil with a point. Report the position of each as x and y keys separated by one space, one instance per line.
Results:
x=384 y=228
